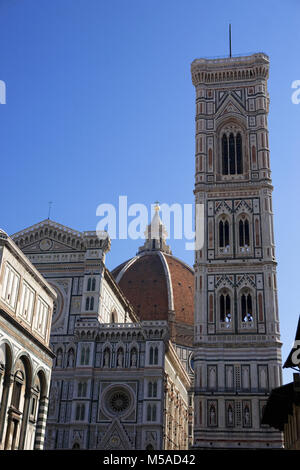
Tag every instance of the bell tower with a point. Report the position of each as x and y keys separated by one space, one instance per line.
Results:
x=237 y=343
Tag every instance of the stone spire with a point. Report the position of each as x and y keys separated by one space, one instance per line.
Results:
x=156 y=235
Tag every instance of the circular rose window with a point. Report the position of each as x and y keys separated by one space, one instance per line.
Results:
x=118 y=401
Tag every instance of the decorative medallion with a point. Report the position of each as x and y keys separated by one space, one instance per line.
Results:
x=46 y=244
x=115 y=441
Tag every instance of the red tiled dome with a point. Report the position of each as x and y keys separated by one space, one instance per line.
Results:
x=160 y=287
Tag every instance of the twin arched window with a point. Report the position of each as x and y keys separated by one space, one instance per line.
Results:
x=246 y=307
x=151 y=412
x=223 y=233
x=91 y=284
x=89 y=303
x=153 y=359
x=232 y=158
x=244 y=233
x=152 y=389
x=225 y=307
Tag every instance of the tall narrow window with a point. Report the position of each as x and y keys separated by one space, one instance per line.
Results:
x=247 y=238
x=82 y=357
x=87 y=356
x=155 y=355
x=89 y=284
x=151 y=356
x=232 y=167
x=223 y=233
x=232 y=154
x=239 y=159
x=224 y=155
x=226 y=230
x=93 y=284
x=87 y=303
x=244 y=233
x=246 y=307
x=222 y=308
x=225 y=308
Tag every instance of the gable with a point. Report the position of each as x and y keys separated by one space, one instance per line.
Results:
x=49 y=236
x=115 y=438
x=231 y=107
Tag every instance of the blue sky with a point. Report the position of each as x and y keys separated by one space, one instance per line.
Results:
x=100 y=104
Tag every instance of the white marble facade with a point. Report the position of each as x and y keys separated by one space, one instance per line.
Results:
x=111 y=373
x=26 y=304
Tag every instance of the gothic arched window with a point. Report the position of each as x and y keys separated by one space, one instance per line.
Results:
x=239 y=159
x=93 y=284
x=225 y=308
x=89 y=284
x=152 y=389
x=246 y=307
x=224 y=155
x=223 y=233
x=151 y=356
x=87 y=356
x=87 y=303
x=244 y=233
x=232 y=166
x=232 y=154
x=92 y=303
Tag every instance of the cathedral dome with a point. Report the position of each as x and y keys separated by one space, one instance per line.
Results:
x=159 y=285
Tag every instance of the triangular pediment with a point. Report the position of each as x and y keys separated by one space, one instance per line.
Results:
x=48 y=236
x=115 y=438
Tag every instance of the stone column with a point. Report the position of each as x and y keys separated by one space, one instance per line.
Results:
x=24 y=419
x=41 y=424
x=7 y=387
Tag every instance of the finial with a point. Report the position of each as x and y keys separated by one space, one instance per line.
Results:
x=49 y=211
x=156 y=208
